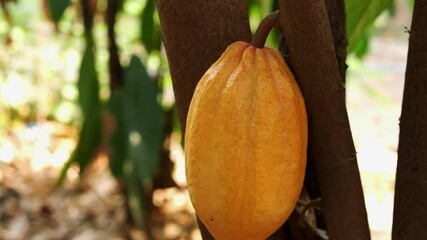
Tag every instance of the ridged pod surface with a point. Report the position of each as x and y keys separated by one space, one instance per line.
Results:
x=245 y=144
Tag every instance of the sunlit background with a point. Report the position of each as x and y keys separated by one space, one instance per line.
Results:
x=40 y=122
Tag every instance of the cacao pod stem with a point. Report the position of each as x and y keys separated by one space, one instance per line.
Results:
x=264 y=28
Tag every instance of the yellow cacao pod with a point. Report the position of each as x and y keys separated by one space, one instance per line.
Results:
x=245 y=144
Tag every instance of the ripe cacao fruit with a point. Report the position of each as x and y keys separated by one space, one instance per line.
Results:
x=245 y=144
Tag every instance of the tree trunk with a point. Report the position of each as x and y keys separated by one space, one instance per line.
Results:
x=195 y=34
x=336 y=15
x=410 y=212
x=312 y=54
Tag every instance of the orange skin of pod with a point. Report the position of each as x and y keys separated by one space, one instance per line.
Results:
x=245 y=144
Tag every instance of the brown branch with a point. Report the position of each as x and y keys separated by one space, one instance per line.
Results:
x=336 y=14
x=88 y=10
x=311 y=48
x=115 y=68
x=7 y=16
x=195 y=34
x=410 y=212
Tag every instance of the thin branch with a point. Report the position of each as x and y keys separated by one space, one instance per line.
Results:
x=115 y=68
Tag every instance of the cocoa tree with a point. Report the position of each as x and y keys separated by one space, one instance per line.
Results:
x=314 y=43
x=409 y=217
x=310 y=44
x=196 y=33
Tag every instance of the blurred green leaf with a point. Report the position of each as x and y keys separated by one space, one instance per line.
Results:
x=88 y=142
x=121 y=165
x=87 y=85
x=57 y=8
x=150 y=32
x=257 y=11
x=135 y=198
x=360 y=15
x=411 y=4
x=119 y=140
x=120 y=5
x=362 y=47
x=176 y=126
x=143 y=119
x=255 y=14
x=90 y=134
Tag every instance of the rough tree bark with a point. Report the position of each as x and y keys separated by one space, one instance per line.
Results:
x=336 y=14
x=195 y=33
x=337 y=20
x=410 y=212
x=312 y=53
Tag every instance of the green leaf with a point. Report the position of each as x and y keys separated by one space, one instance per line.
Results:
x=87 y=84
x=150 y=32
x=87 y=146
x=362 y=47
x=135 y=199
x=90 y=133
x=176 y=126
x=57 y=8
x=411 y=4
x=89 y=141
x=360 y=15
x=88 y=87
x=120 y=5
x=143 y=119
x=257 y=11
x=119 y=140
